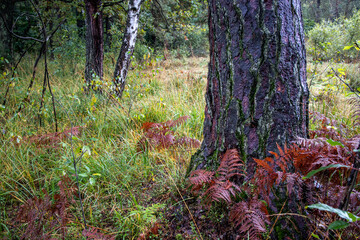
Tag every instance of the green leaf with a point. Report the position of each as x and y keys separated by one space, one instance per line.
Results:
x=343 y=214
x=338 y=225
x=353 y=217
x=334 y=143
x=315 y=236
x=92 y=181
x=86 y=150
x=313 y=172
x=83 y=175
x=341 y=71
x=75 y=138
x=348 y=47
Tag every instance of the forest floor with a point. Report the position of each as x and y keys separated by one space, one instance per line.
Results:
x=132 y=180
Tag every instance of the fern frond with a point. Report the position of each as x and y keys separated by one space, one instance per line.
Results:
x=199 y=178
x=231 y=165
x=160 y=135
x=249 y=218
x=221 y=190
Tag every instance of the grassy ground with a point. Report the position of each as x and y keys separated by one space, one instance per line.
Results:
x=124 y=191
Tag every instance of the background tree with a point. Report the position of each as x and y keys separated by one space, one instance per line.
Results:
x=318 y=10
x=127 y=47
x=94 y=41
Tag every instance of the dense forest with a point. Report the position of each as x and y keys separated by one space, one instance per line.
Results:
x=180 y=119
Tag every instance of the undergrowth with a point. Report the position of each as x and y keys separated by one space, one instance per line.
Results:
x=133 y=155
x=120 y=179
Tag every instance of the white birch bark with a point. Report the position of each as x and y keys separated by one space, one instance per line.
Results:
x=127 y=47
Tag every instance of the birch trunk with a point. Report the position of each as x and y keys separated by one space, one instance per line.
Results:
x=127 y=47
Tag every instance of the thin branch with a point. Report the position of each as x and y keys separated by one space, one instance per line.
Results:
x=46 y=72
x=33 y=75
x=162 y=14
x=53 y=32
x=351 y=181
x=343 y=81
x=14 y=70
x=18 y=36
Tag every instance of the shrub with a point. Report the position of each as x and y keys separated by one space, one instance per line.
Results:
x=328 y=39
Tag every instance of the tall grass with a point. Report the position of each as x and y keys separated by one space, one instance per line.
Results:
x=118 y=183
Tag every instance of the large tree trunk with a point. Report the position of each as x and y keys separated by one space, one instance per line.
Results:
x=257 y=94
x=94 y=42
x=127 y=47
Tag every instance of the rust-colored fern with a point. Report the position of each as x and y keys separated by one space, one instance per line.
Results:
x=220 y=184
x=249 y=218
x=45 y=215
x=161 y=135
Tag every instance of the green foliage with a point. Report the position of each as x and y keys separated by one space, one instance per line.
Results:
x=118 y=183
x=178 y=27
x=348 y=216
x=328 y=39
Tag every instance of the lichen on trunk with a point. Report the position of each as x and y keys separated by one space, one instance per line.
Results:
x=256 y=95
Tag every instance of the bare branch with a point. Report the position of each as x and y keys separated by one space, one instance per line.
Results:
x=343 y=81
x=18 y=36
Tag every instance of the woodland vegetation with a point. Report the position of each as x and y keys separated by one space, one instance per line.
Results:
x=101 y=138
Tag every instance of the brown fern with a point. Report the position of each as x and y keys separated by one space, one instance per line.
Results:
x=49 y=140
x=160 y=135
x=45 y=215
x=93 y=233
x=220 y=184
x=249 y=218
x=200 y=178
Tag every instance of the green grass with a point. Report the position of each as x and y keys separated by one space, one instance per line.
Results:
x=123 y=190
x=118 y=183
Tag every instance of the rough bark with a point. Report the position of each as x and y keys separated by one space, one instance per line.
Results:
x=127 y=47
x=257 y=95
x=94 y=41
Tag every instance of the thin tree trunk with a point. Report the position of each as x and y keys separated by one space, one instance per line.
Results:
x=94 y=42
x=337 y=15
x=127 y=47
x=348 y=9
x=318 y=11
x=7 y=10
x=80 y=23
x=107 y=33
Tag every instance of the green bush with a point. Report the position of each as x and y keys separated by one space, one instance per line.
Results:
x=328 y=39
